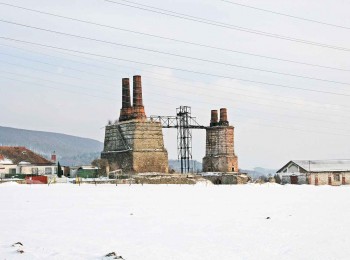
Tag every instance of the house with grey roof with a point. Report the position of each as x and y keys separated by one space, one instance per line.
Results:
x=316 y=172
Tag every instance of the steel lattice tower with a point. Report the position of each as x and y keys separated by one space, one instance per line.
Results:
x=184 y=123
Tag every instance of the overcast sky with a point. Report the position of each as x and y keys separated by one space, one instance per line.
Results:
x=72 y=93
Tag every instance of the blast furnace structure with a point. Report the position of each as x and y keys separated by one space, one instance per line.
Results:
x=135 y=143
x=220 y=155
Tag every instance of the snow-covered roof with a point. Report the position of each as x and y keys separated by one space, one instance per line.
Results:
x=22 y=154
x=24 y=163
x=5 y=161
x=321 y=165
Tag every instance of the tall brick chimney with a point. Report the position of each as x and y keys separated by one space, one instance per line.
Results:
x=223 y=116
x=214 y=118
x=126 y=110
x=139 y=110
x=126 y=93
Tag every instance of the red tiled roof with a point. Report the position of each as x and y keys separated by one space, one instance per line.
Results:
x=22 y=154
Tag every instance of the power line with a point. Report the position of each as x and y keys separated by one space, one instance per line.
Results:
x=255 y=97
x=153 y=93
x=249 y=123
x=60 y=89
x=178 y=69
x=173 y=54
x=55 y=65
x=296 y=129
x=50 y=72
x=172 y=89
x=65 y=58
x=173 y=39
x=254 y=110
x=224 y=25
x=55 y=82
x=110 y=98
x=164 y=87
x=216 y=85
x=287 y=15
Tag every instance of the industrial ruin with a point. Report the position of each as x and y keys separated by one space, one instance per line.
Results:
x=135 y=143
x=219 y=153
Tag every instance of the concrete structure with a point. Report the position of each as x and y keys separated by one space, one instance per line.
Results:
x=20 y=160
x=220 y=155
x=320 y=172
x=135 y=144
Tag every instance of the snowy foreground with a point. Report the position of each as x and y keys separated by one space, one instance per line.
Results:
x=66 y=221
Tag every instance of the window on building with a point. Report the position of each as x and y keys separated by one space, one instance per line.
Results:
x=12 y=170
x=48 y=170
x=35 y=170
x=336 y=177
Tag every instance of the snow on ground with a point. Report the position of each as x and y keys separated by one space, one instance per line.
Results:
x=66 y=221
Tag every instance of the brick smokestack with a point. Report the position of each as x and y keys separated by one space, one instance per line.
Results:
x=223 y=116
x=126 y=93
x=214 y=118
x=139 y=110
x=53 y=157
x=126 y=111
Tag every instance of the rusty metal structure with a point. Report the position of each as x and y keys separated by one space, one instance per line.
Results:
x=184 y=123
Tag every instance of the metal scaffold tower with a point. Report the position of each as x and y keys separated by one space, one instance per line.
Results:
x=184 y=123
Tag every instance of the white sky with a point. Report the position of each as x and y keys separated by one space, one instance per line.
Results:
x=77 y=94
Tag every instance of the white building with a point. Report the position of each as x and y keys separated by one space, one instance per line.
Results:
x=316 y=172
x=20 y=160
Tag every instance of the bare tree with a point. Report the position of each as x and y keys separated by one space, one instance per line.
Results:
x=102 y=165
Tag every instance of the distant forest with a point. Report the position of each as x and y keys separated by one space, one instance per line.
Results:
x=70 y=150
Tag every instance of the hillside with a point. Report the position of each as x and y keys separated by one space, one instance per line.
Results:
x=258 y=172
x=71 y=150
x=176 y=166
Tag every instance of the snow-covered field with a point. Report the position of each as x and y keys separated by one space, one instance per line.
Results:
x=66 y=221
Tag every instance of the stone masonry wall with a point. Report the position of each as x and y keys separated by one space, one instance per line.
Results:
x=221 y=163
x=220 y=155
x=136 y=146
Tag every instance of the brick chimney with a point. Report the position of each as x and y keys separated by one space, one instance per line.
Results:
x=214 y=118
x=126 y=110
x=53 y=157
x=139 y=110
x=223 y=116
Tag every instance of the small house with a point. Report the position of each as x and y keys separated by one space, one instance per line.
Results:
x=20 y=161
